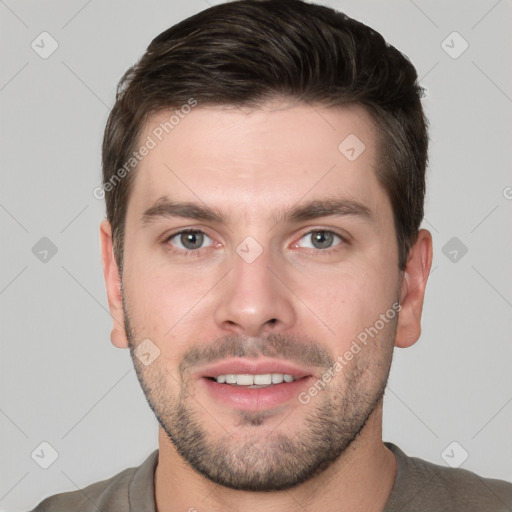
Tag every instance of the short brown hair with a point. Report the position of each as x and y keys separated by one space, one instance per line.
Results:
x=246 y=52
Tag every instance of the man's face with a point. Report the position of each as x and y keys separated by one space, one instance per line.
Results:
x=258 y=291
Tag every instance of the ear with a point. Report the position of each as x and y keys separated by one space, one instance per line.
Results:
x=414 y=281
x=113 y=284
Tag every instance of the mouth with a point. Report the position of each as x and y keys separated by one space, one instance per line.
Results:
x=262 y=380
x=254 y=384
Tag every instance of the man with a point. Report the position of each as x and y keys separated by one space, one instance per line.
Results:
x=264 y=175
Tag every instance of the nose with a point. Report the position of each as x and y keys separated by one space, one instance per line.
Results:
x=255 y=299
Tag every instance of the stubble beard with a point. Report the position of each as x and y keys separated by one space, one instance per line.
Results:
x=278 y=459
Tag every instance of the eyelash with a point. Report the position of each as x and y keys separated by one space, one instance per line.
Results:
x=197 y=252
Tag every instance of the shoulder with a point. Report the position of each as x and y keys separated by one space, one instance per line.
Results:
x=420 y=484
x=111 y=495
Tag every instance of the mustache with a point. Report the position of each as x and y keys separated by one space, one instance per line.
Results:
x=302 y=351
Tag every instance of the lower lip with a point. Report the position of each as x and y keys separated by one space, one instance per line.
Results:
x=256 y=399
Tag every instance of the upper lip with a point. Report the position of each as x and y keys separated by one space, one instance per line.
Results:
x=254 y=367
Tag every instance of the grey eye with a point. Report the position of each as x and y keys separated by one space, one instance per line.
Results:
x=320 y=239
x=189 y=240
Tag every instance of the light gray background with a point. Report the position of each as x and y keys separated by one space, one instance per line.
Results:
x=61 y=379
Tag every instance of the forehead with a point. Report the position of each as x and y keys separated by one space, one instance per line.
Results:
x=250 y=161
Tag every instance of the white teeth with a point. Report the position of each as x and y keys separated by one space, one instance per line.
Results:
x=264 y=379
x=277 y=378
x=245 y=380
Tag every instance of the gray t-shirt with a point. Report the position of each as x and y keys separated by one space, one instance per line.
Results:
x=420 y=486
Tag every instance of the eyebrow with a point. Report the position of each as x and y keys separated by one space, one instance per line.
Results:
x=327 y=207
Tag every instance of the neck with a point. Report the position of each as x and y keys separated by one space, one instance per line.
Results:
x=360 y=479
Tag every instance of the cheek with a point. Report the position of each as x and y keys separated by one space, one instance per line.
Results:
x=351 y=299
x=165 y=304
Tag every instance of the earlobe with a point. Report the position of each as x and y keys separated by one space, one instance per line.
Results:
x=414 y=281
x=113 y=285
